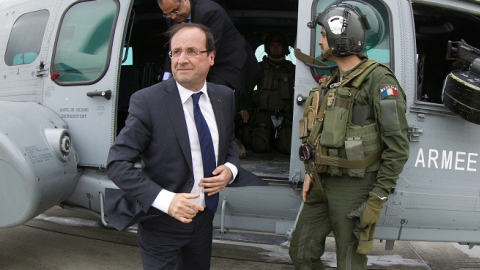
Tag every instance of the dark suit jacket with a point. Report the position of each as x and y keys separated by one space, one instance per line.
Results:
x=156 y=132
x=235 y=61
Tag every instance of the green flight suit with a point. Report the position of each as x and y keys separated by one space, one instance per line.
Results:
x=381 y=100
x=273 y=97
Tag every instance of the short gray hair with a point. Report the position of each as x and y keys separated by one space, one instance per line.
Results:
x=210 y=41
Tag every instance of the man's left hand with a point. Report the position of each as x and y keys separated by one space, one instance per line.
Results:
x=215 y=184
x=368 y=214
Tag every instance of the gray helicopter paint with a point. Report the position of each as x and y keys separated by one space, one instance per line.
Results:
x=91 y=184
x=437 y=197
x=430 y=201
x=34 y=174
x=20 y=83
x=91 y=119
x=268 y=209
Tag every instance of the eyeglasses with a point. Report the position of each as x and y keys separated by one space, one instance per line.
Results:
x=188 y=52
x=174 y=12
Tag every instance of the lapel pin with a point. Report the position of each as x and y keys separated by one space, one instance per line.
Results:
x=219 y=100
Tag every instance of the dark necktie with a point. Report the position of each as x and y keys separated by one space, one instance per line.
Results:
x=206 y=145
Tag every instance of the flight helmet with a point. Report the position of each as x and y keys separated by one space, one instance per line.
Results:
x=277 y=37
x=345 y=28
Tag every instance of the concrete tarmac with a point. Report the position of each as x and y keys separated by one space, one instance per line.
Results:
x=63 y=239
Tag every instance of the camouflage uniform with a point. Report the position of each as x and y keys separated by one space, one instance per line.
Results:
x=273 y=98
x=380 y=104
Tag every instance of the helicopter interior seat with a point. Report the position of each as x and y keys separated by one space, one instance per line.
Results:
x=432 y=70
x=432 y=34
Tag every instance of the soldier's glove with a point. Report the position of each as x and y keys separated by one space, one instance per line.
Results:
x=368 y=214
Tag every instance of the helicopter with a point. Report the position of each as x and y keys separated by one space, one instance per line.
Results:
x=70 y=66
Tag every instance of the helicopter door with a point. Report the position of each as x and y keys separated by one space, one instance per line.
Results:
x=83 y=70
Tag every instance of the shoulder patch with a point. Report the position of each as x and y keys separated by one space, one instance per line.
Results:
x=388 y=91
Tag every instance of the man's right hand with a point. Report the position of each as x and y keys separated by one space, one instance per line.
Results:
x=182 y=208
x=307 y=186
x=245 y=115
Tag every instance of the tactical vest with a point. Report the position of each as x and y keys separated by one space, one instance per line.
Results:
x=274 y=91
x=331 y=143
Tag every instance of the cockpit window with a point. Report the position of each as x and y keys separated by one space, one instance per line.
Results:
x=26 y=38
x=260 y=53
x=83 y=46
x=377 y=37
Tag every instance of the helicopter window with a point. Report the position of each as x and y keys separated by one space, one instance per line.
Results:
x=129 y=60
x=260 y=53
x=377 y=37
x=82 y=49
x=26 y=38
x=435 y=26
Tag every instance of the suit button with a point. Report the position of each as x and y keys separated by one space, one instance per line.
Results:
x=191 y=183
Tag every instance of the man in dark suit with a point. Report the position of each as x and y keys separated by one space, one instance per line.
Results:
x=235 y=62
x=163 y=130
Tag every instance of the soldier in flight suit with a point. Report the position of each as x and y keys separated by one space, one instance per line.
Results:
x=354 y=134
x=273 y=99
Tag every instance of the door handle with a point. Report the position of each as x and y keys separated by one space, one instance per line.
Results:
x=106 y=94
x=301 y=99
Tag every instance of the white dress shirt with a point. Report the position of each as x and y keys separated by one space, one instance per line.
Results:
x=165 y=197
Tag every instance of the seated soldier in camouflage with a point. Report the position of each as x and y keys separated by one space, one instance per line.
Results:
x=273 y=99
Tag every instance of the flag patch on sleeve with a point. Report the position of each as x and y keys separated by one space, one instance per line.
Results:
x=388 y=91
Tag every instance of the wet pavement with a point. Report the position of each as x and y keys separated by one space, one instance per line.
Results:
x=63 y=239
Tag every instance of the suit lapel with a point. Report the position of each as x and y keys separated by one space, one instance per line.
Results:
x=215 y=99
x=192 y=12
x=174 y=106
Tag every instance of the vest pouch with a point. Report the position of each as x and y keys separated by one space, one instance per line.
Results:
x=263 y=100
x=274 y=102
x=323 y=151
x=268 y=100
x=311 y=114
x=303 y=130
x=335 y=123
x=370 y=141
x=334 y=170
x=283 y=89
x=267 y=79
x=354 y=151
x=311 y=108
x=275 y=84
